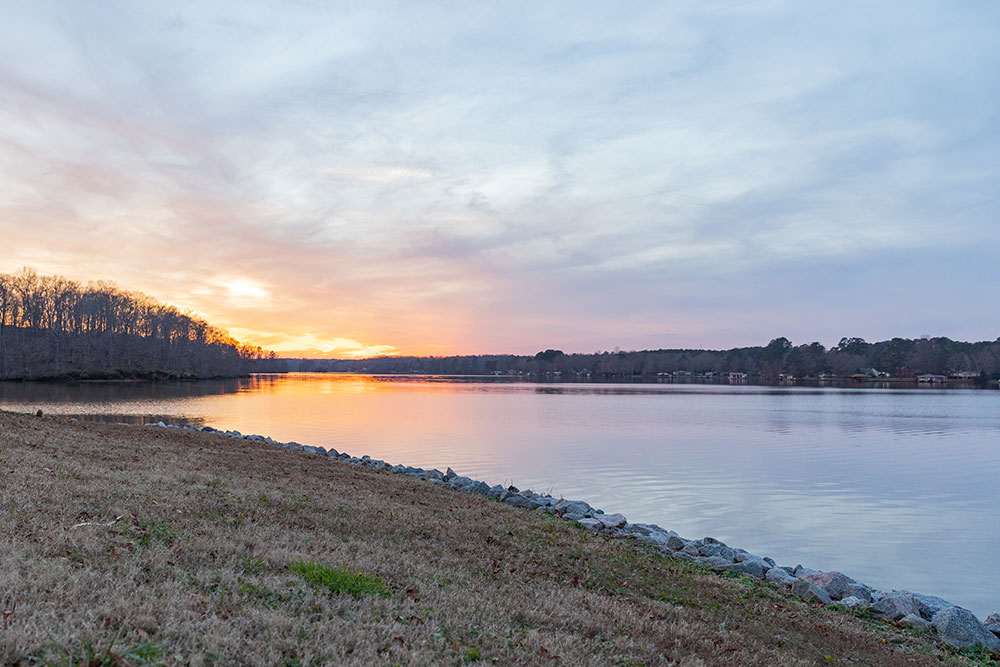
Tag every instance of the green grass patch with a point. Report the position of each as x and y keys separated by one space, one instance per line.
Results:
x=339 y=579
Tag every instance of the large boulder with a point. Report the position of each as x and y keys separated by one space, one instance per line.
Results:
x=691 y=549
x=481 y=488
x=851 y=602
x=716 y=549
x=675 y=542
x=611 y=520
x=839 y=585
x=914 y=622
x=460 y=482
x=518 y=500
x=930 y=604
x=717 y=562
x=992 y=623
x=755 y=567
x=646 y=532
x=895 y=607
x=591 y=524
x=780 y=576
x=960 y=627
x=572 y=507
x=810 y=592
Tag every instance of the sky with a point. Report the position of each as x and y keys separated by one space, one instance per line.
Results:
x=350 y=179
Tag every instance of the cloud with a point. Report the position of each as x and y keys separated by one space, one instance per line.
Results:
x=439 y=179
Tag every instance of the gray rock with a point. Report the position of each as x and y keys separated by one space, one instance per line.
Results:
x=676 y=543
x=769 y=561
x=650 y=533
x=839 y=585
x=915 y=622
x=801 y=569
x=569 y=516
x=992 y=623
x=896 y=607
x=496 y=491
x=810 y=592
x=755 y=567
x=460 y=482
x=711 y=549
x=718 y=562
x=332 y=453
x=449 y=474
x=930 y=604
x=851 y=602
x=591 y=524
x=690 y=549
x=716 y=549
x=611 y=520
x=777 y=575
x=480 y=488
x=960 y=627
x=520 y=501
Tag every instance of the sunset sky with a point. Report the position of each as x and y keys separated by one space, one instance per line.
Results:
x=348 y=179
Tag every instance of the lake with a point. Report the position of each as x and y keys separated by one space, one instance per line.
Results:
x=897 y=488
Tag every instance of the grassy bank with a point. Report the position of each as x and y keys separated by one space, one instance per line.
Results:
x=133 y=545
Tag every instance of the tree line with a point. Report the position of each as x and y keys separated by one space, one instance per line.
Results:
x=898 y=357
x=52 y=327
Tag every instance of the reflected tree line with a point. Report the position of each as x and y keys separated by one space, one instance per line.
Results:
x=899 y=357
x=52 y=327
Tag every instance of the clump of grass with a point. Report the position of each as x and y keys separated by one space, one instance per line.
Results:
x=339 y=579
x=146 y=653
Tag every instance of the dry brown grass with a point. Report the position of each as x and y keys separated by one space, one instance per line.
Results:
x=196 y=570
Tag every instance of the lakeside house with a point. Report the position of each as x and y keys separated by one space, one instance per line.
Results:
x=931 y=378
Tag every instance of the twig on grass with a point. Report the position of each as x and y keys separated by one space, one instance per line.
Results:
x=98 y=523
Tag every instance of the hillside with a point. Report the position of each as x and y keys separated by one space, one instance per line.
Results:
x=132 y=545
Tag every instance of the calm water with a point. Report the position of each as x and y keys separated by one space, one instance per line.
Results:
x=898 y=488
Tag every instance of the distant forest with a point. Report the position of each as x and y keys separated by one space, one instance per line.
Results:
x=899 y=358
x=51 y=327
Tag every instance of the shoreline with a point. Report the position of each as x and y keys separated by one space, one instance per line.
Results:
x=952 y=623
x=174 y=546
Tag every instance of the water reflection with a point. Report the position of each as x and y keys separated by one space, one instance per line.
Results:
x=866 y=481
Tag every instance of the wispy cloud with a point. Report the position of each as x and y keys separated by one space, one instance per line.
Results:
x=416 y=177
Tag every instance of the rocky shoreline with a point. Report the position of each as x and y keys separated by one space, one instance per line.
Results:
x=953 y=624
